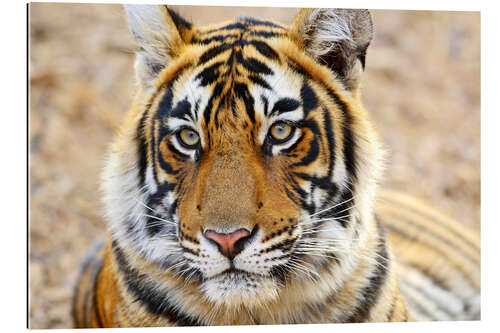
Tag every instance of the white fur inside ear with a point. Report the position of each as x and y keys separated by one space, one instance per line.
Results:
x=337 y=38
x=324 y=28
x=156 y=35
x=146 y=22
x=146 y=68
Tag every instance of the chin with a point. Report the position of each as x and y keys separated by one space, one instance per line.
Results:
x=239 y=288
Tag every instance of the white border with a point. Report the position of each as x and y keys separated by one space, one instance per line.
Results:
x=13 y=88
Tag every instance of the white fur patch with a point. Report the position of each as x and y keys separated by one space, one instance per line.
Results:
x=325 y=27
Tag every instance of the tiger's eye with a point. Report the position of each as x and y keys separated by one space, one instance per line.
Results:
x=281 y=132
x=189 y=137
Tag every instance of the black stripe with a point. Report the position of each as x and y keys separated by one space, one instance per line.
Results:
x=237 y=25
x=264 y=49
x=257 y=80
x=267 y=34
x=403 y=234
x=290 y=149
x=443 y=284
x=330 y=139
x=218 y=38
x=255 y=22
x=210 y=74
x=292 y=196
x=241 y=91
x=323 y=183
x=167 y=167
x=224 y=104
x=390 y=314
x=153 y=226
x=266 y=104
x=86 y=310
x=313 y=152
x=96 y=271
x=210 y=104
x=285 y=105
x=428 y=296
x=309 y=100
x=164 y=108
x=182 y=110
x=87 y=261
x=90 y=294
x=253 y=65
x=179 y=22
x=148 y=293
x=349 y=142
x=438 y=237
x=434 y=219
x=142 y=148
x=371 y=292
x=412 y=303
x=213 y=52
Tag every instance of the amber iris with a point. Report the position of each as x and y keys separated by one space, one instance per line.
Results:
x=281 y=132
x=189 y=138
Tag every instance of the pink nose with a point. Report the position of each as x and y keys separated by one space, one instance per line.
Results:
x=227 y=242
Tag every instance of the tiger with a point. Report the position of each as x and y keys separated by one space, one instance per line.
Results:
x=242 y=188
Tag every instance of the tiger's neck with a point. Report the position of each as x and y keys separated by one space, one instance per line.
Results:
x=360 y=287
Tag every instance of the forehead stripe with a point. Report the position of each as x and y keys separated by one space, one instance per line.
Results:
x=259 y=81
x=255 y=22
x=285 y=105
x=241 y=91
x=213 y=52
x=218 y=38
x=267 y=34
x=253 y=65
x=182 y=110
x=210 y=74
x=245 y=24
x=264 y=49
x=210 y=104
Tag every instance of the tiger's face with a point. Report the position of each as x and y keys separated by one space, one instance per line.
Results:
x=244 y=166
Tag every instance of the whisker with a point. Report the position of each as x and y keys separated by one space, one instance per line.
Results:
x=142 y=203
x=325 y=220
x=160 y=219
x=336 y=205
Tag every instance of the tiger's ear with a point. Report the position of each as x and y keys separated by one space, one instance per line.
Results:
x=337 y=38
x=160 y=33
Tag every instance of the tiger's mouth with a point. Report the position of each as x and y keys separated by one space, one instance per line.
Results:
x=234 y=273
x=235 y=287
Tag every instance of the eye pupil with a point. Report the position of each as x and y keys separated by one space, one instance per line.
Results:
x=188 y=137
x=281 y=132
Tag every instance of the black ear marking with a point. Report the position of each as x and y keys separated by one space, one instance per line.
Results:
x=179 y=21
x=182 y=24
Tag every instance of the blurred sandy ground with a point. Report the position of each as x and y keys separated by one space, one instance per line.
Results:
x=422 y=87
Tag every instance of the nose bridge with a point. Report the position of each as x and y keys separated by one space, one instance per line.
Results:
x=228 y=200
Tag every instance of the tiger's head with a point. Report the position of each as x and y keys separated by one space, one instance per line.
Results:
x=247 y=161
